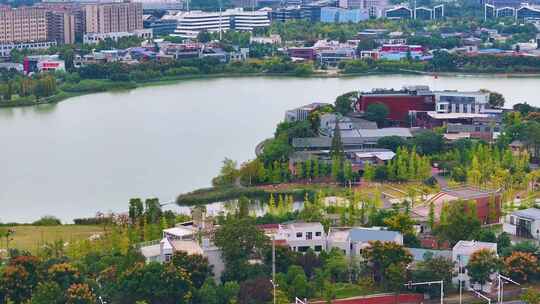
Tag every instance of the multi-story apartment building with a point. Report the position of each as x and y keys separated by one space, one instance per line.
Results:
x=113 y=17
x=25 y=24
x=65 y=21
x=61 y=27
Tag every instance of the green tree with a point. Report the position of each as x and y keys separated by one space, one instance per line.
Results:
x=196 y=266
x=457 y=222
x=434 y=269
x=344 y=103
x=239 y=240
x=154 y=283
x=531 y=296
x=369 y=172
x=208 y=293
x=48 y=293
x=431 y=215
x=428 y=142
x=392 y=142
x=228 y=173
x=382 y=255
x=378 y=113
x=336 y=150
x=496 y=100
x=482 y=264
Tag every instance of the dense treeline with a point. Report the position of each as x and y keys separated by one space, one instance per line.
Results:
x=446 y=62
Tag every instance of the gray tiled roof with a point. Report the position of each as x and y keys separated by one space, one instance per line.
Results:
x=365 y=235
x=531 y=213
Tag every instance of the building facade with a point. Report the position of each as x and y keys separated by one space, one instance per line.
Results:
x=461 y=102
x=24 y=24
x=113 y=17
x=400 y=103
x=190 y=24
x=523 y=223
x=61 y=27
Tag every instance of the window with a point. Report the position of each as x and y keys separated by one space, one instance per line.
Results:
x=303 y=248
x=318 y=233
x=512 y=220
x=318 y=248
x=299 y=234
x=309 y=235
x=168 y=257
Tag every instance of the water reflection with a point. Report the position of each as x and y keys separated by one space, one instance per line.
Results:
x=256 y=208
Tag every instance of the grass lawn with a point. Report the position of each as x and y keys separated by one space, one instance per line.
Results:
x=347 y=290
x=31 y=237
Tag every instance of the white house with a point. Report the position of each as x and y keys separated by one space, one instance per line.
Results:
x=523 y=223
x=352 y=240
x=461 y=102
x=461 y=254
x=182 y=238
x=302 y=236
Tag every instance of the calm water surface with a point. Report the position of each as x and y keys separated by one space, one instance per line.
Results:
x=95 y=152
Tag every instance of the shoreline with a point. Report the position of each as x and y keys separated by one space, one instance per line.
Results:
x=116 y=86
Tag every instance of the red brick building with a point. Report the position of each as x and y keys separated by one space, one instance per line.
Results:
x=400 y=103
x=481 y=198
x=307 y=53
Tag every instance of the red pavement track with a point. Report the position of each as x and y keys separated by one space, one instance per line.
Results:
x=380 y=299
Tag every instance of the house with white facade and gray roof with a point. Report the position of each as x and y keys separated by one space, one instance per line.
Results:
x=523 y=223
x=352 y=240
x=461 y=254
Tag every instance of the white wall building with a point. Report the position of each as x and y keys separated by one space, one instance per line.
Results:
x=6 y=48
x=461 y=102
x=523 y=223
x=190 y=24
x=182 y=238
x=94 y=38
x=352 y=240
x=301 y=237
x=302 y=113
x=461 y=254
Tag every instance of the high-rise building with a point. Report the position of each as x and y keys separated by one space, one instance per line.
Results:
x=25 y=24
x=66 y=21
x=61 y=27
x=113 y=17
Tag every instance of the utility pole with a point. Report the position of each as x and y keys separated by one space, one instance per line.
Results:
x=274 y=266
x=220 y=14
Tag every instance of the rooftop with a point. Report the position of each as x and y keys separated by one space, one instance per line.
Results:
x=436 y=115
x=469 y=247
x=531 y=213
x=467 y=193
x=370 y=234
x=179 y=231
x=375 y=133
x=382 y=155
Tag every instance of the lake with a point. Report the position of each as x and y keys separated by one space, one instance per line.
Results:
x=95 y=152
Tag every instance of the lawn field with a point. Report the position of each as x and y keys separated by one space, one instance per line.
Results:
x=31 y=237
